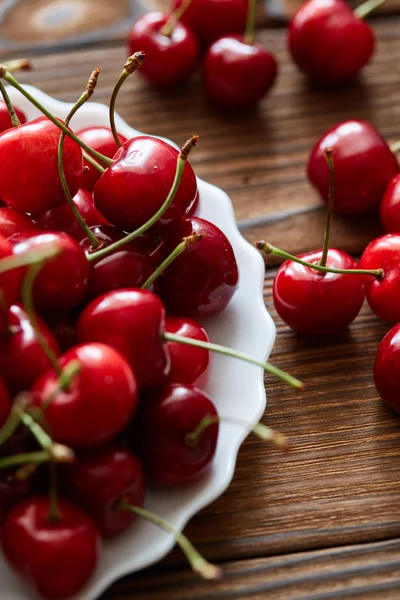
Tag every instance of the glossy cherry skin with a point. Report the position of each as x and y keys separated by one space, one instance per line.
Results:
x=387 y=368
x=169 y=59
x=132 y=321
x=12 y=221
x=56 y=558
x=210 y=19
x=22 y=359
x=364 y=165
x=102 y=140
x=99 y=480
x=382 y=295
x=130 y=266
x=188 y=364
x=62 y=282
x=390 y=206
x=166 y=415
x=132 y=190
x=203 y=279
x=5 y=119
x=61 y=218
x=315 y=303
x=5 y=403
x=29 y=178
x=329 y=42
x=99 y=403
x=237 y=75
x=10 y=284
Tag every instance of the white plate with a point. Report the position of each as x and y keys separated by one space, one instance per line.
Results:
x=236 y=387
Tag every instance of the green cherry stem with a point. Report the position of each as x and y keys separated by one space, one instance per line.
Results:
x=15 y=122
x=93 y=162
x=180 y=166
x=23 y=260
x=285 y=377
x=325 y=249
x=68 y=374
x=251 y=22
x=395 y=147
x=57 y=452
x=24 y=458
x=266 y=248
x=19 y=64
x=367 y=7
x=81 y=101
x=191 y=239
x=14 y=418
x=168 y=28
x=133 y=63
x=4 y=74
x=196 y=561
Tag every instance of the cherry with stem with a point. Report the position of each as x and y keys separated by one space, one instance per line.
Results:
x=367 y=7
x=251 y=23
x=175 y=16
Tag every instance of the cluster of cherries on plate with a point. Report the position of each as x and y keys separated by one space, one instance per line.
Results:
x=104 y=271
x=327 y=40
x=321 y=292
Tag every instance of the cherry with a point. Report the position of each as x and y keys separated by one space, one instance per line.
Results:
x=364 y=165
x=132 y=321
x=55 y=557
x=166 y=417
x=136 y=185
x=63 y=328
x=210 y=19
x=102 y=140
x=154 y=246
x=382 y=295
x=22 y=358
x=387 y=368
x=5 y=119
x=99 y=402
x=99 y=480
x=171 y=52
x=10 y=284
x=203 y=279
x=29 y=178
x=329 y=42
x=12 y=221
x=62 y=282
x=188 y=364
x=191 y=212
x=390 y=207
x=5 y=403
x=61 y=218
x=130 y=266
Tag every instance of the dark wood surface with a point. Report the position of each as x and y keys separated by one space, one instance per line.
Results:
x=323 y=521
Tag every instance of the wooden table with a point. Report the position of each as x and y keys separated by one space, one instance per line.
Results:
x=322 y=522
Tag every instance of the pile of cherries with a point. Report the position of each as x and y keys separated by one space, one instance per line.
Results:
x=104 y=271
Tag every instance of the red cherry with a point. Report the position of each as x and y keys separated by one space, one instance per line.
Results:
x=29 y=178
x=169 y=59
x=387 y=368
x=136 y=185
x=315 y=303
x=63 y=328
x=61 y=218
x=130 y=266
x=390 y=207
x=132 y=321
x=5 y=403
x=364 y=165
x=167 y=414
x=12 y=221
x=329 y=42
x=10 y=284
x=62 y=282
x=5 y=119
x=98 y=481
x=238 y=75
x=102 y=140
x=154 y=246
x=188 y=364
x=210 y=19
x=22 y=359
x=56 y=558
x=203 y=279
x=99 y=402
x=383 y=295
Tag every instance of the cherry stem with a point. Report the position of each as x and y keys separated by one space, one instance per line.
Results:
x=329 y=160
x=191 y=239
x=175 y=16
x=196 y=561
x=20 y=64
x=22 y=260
x=57 y=452
x=261 y=431
x=93 y=162
x=27 y=300
x=251 y=22
x=269 y=249
x=84 y=98
x=15 y=122
x=180 y=166
x=133 y=63
x=23 y=458
x=14 y=418
x=395 y=147
x=367 y=7
x=5 y=74
x=68 y=374
x=285 y=377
